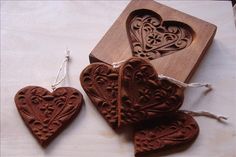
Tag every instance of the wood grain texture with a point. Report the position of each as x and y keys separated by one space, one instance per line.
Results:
x=178 y=41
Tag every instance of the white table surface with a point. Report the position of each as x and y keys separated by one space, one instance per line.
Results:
x=34 y=35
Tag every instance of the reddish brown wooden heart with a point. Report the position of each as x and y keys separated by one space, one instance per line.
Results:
x=46 y=114
x=151 y=37
x=100 y=82
x=166 y=132
x=142 y=95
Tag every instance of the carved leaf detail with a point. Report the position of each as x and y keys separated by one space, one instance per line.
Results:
x=100 y=82
x=47 y=113
x=168 y=131
x=151 y=37
x=143 y=95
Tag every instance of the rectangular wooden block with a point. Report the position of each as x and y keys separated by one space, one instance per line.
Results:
x=172 y=41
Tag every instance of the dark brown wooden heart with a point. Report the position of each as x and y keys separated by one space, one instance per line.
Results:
x=46 y=114
x=142 y=95
x=169 y=131
x=150 y=37
x=100 y=82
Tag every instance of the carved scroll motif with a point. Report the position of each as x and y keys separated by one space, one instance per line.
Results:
x=46 y=113
x=100 y=82
x=143 y=95
x=151 y=37
x=168 y=131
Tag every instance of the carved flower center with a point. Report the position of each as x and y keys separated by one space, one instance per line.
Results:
x=154 y=38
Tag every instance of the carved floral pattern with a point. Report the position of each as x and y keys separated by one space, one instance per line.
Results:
x=100 y=82
x=46 y=113
x=151 y=38
x=143 y=95
x=133 y=94
x=168 y=131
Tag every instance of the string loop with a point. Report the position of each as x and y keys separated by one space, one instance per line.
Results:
x=64 y=67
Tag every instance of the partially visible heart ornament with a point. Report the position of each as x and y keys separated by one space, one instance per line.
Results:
x=151 y=37
x=142 y=95
x=100 y=82
x=134 y=95
x=169 y=131
x=46 y=114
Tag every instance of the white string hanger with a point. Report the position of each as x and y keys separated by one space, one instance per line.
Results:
x=162 y=77
x=63 y=67
x=206 y=114
x=117 y=64
x=182 y=84
x=185 y=85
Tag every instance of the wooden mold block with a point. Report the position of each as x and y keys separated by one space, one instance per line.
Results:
x=172 y=41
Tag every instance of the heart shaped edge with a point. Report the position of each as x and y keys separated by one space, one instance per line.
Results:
x=179 y=92
x=45 y=143
x=98 y=98
x=145 y=135
x=187 y=34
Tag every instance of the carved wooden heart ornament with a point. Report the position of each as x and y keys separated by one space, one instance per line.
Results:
x=142 y=95
x=151 y=37
x=130 y=94
x=165 y=132
x=46 y=114
x=133 y=94
x=100 y=82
